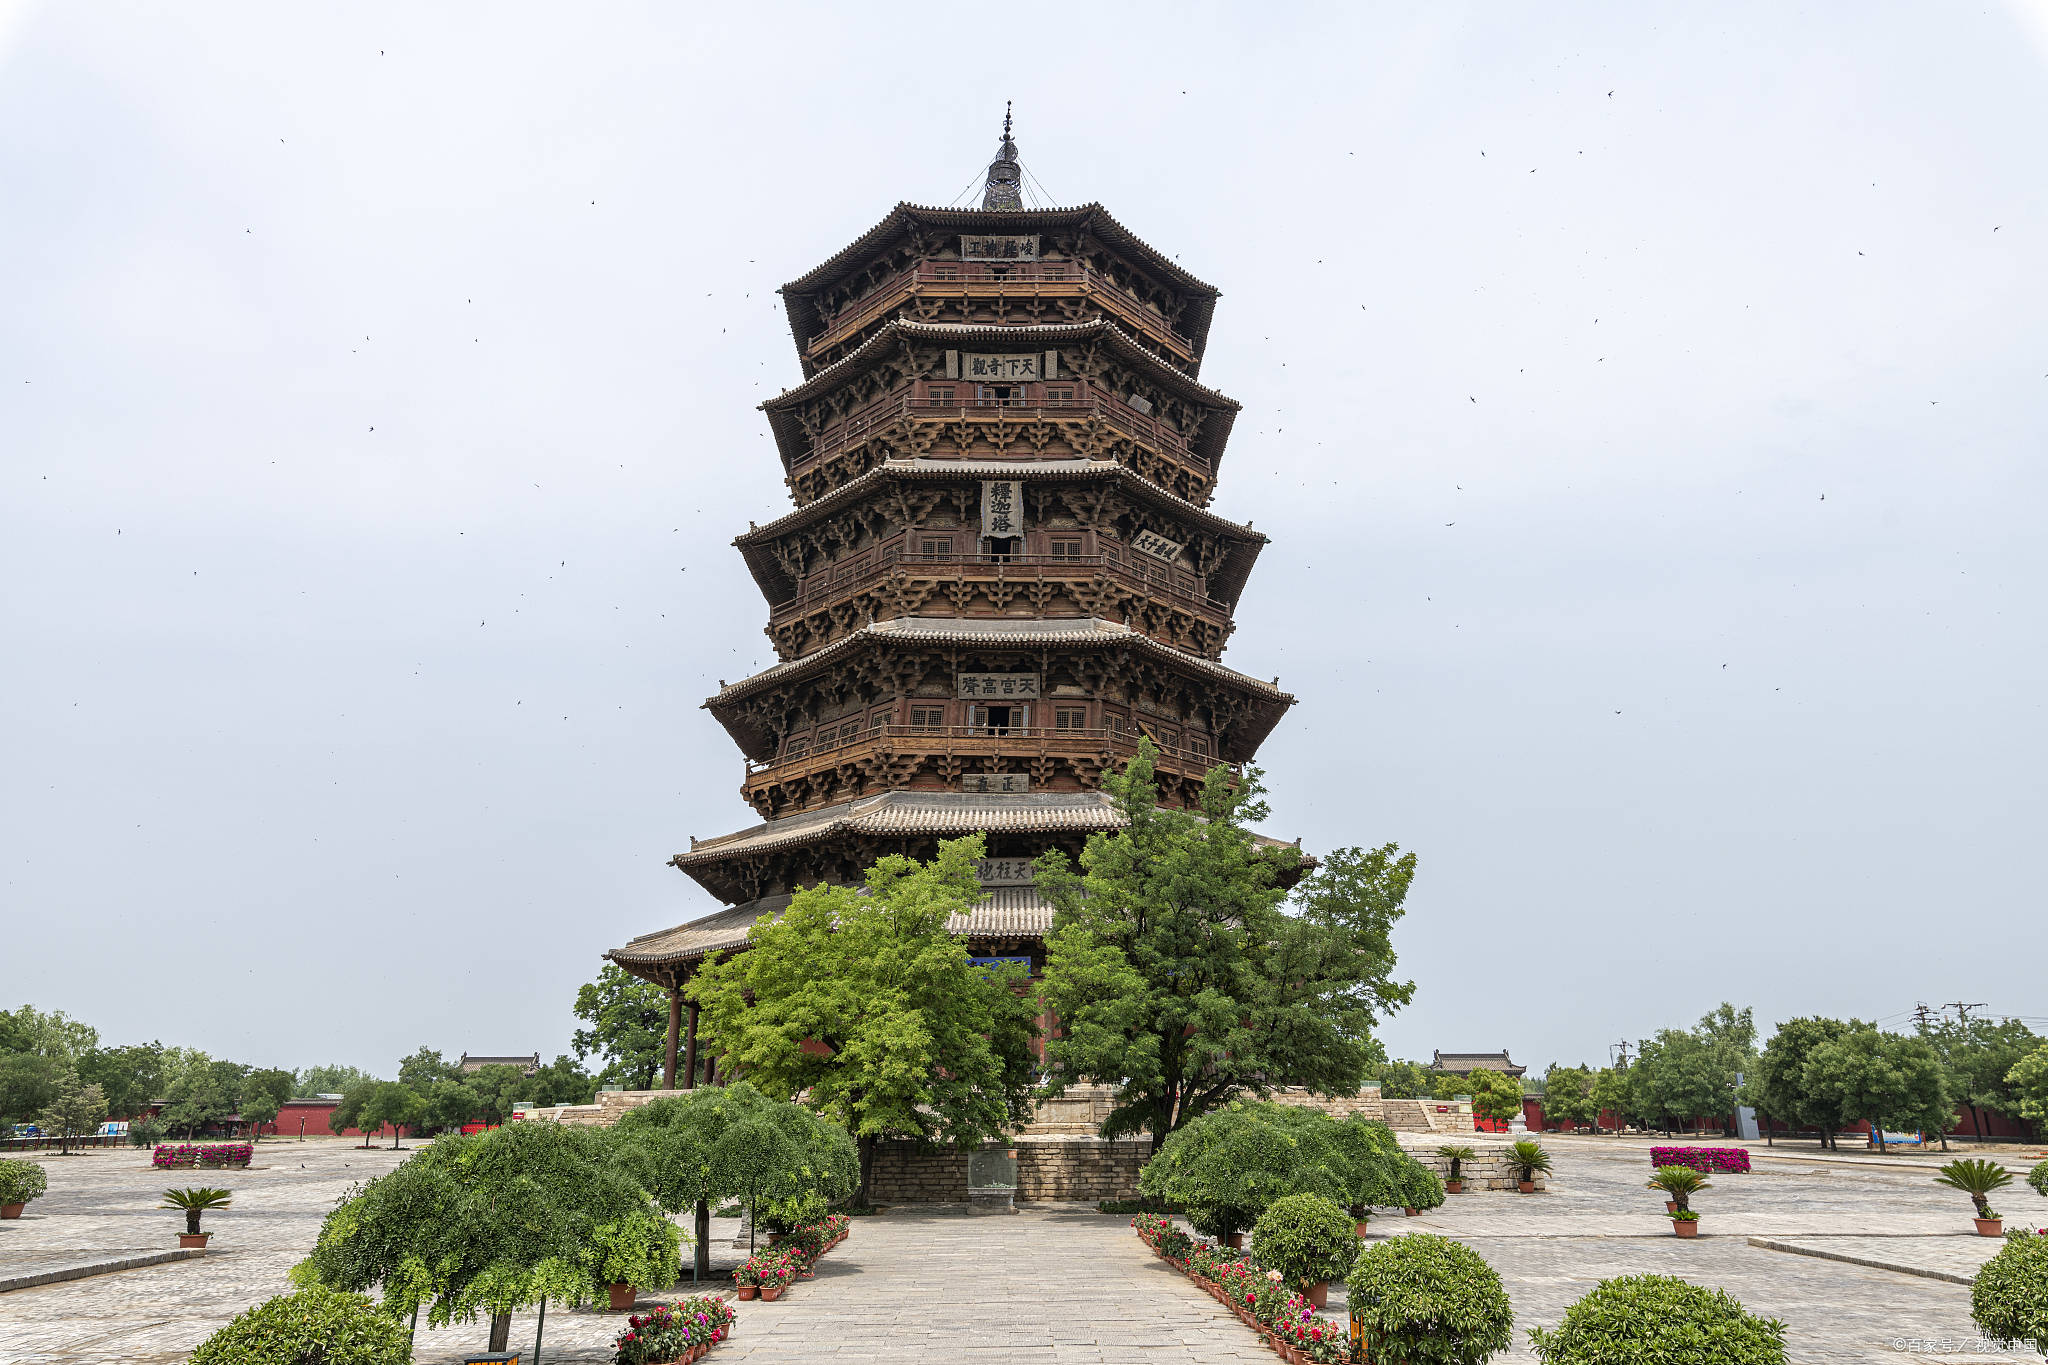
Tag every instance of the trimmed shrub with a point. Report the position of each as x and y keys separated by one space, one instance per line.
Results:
x=21 y=1181
x=313 y=1324
x=642 y=1249
x=1307 y=1238
x=1429 y=1300
x=1421 y=1187
x=2038 y=1178
x=1658 y=1320
x=2009 y=1298
x=1229 y=1166
x=1706 y=1160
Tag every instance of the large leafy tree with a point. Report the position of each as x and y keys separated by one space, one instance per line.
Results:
x=53 y=1034
x=1404 y=1080
x=481 y=1225
x=332 y=1079
x=1779 y=1086
x=129 y=1076
x=1179 y=980
x=626 y=1023
x=426 y=1066
x=1613 y=1092
x=27 y=1083
x=74 y=1110
x=1691 y=1073
x=1568 y=1095
x=2028 y=1080
x=865 y=1008
x=1883 y=1077
x=1978 y=1054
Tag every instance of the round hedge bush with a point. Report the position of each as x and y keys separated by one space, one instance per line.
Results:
x=1427 y=1298
x=2038 y=1178
x=2009 y=1298
x=21 y=1181
x=314 y=1326
x=1658 y=1320
x=1307 y=1238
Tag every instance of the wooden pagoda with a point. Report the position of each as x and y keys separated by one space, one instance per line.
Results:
x=1001 y=571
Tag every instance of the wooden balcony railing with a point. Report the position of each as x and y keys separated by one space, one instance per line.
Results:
x=850 y=575
x=859 y=424
x=973 y=741
x=1040 y=279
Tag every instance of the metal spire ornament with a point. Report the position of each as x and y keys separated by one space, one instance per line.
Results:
x=1004 y=188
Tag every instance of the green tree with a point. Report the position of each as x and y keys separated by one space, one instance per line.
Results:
x=497 y=1089
x=480 y=1225
x=351 y=1112
x=28 y=1082
x=425 y=1067
x=1568 y=1095
x=393 y=1103
x=628 y=1027
x=263 y=1095
x=1613 y=1092
x=55 y=1035
x=1778 y=1086
x=1404 y=1081
x=333 y=1079
x=561 y=1081
x=196 y=1099
x=1978 y=1054
x=260 y=1108
x=75 y=1110
x=1495 y=1095
x=2028 y=1079
x=1882 y=1077
x=1229 y=1165
x=869 y=1010
x=130 y=1076
x=1179 y=980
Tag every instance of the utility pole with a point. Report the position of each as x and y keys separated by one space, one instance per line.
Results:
x=1620 y=1051
x=1963 y=1010
x=1922 y=1016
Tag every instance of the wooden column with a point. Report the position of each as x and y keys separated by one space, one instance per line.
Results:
x=675 y=1023
x=690 y=1051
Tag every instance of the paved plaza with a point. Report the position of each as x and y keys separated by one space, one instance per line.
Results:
x=1057 y=1283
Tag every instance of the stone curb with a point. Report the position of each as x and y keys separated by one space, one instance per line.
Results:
x=79 y=1272
x=1769 y=1245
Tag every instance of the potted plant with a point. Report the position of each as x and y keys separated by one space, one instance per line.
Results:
x=20 y=1182
x=1528 y=1157
x=1681 y=1183
x=775 y=1272
x=1425 y=1297
x=1360 y=1215
x=746 y=1279
x=195 y=1201
x=1454 y=1183
x=1977 y=1178
x=639 y=1251
x=2009 y=1298
x=1309 y=1241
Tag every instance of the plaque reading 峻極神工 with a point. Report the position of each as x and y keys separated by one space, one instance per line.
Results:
x=1010 y=248
x=998 y=685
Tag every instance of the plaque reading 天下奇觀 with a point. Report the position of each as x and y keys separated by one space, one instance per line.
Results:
x=1001 y=369
x=1015 y=686
x=1156 y=546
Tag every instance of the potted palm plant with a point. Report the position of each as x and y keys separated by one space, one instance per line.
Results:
x=195 y=1201
x=1977 y=1178
x=1528 y=1157
x=1681 y=1183
x=1454 y=1183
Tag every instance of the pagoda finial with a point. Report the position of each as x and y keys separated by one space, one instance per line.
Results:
x=1004 y=177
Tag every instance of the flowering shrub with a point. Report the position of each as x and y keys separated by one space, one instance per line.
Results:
x=671 y=1332
x=770 y=1267
x=1260 y=1295
x=1306 y=1238
x=1708 y=1160
x=167 y=1157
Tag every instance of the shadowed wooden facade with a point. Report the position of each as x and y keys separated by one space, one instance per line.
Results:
x=1001 y=573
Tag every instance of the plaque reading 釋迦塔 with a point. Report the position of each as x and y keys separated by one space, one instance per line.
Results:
x=998 y=685
x=1002 y=508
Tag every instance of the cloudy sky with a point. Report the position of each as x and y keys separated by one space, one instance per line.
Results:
x=1647 y=411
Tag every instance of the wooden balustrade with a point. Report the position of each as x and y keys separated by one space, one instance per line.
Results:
x=858 y=425
x=976 y=741
x=1130 y=569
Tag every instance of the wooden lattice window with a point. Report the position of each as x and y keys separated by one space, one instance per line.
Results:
x=1059 y=395
x=1064 y=547
x=1198 y=745
x=849 y=731
x=797 y=746
x=936 y=547
x=1070 y=718
x=927 y=717
x=941 y=395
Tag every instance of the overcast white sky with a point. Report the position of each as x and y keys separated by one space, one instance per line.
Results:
x=1648 y=413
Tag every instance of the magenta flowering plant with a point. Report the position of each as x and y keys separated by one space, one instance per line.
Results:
x=1706 y=1160
x=670 y=1331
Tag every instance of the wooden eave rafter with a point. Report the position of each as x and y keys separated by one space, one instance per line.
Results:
x=1225 y=584
x=895 y=339
x=799 y=296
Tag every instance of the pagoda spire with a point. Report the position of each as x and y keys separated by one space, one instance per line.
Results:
x=1004 y=175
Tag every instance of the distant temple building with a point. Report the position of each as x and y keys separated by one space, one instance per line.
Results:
x=1001 y=572
x=1465 y=1063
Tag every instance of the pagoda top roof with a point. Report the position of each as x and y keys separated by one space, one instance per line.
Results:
x=799 y=296
x=789 y=436
x=995 y=632
x=776 y=585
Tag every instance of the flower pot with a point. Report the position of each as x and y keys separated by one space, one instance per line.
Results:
x=189 y=1240
x=1454 y=1187
x=1361 y=1227
x=748 y=1291
x=1319 y=1294
x=11 y=1210
x=1990 y=1227
x=1411 y=1212
x=622 y=1296
x=770 y=1293
x=1686 y=1227
x=1235 y=1241
x=1526 y=1186
x=1671 y=1206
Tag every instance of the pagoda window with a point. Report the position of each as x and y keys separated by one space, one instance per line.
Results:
x=941 y=395
x=1070 y=718
x=849 y=731
x=935 y=547
x=1198 y=745
x=1059 y=395
x=1116 y=721
x=927 y=717
x=999 y=720
x=796 y=746
x=1001 y=549
x=1064 y=547
x=878 y=721
x=945 y=272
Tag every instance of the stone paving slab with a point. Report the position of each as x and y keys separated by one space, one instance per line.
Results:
x=27 y=1269
x=1955 y=1259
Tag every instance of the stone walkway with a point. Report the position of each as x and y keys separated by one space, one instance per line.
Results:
x=1052 y=1284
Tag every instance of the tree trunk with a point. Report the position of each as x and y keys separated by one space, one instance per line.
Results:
x=501 y=1332
x=1877 y=1129
x=538 y=1328
x=702 y=1228
x=867 y=1170
x=1976 y=1123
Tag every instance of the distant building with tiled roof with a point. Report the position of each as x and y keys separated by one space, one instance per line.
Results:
x=527 y=1065
x=1465 y=1063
